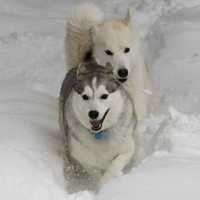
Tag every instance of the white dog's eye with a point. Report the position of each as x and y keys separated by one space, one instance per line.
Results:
x=126 y=50
x=85 y=97
x=108 y=52
x=104 y=96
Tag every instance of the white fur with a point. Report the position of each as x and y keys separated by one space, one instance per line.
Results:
x=114 y=35
x=78 y=38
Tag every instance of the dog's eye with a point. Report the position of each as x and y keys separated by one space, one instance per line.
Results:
x=126 y=50
x=104 y=96
x=108 y=52
x=85 y=97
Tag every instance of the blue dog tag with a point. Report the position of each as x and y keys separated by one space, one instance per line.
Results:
x=99 y=135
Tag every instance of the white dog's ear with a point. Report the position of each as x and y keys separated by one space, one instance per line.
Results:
x=129 y=18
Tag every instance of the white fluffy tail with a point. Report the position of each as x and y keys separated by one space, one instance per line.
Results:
x=78 y=39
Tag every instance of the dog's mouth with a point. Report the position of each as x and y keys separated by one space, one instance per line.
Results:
x=122 y=80
x=97 y=124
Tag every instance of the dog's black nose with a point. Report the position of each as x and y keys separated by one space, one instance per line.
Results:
x=123 y=73
x=93 y=114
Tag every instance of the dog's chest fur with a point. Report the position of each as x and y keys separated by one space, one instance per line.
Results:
x=98 y=154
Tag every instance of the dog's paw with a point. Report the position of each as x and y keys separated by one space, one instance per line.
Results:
x=108 y=176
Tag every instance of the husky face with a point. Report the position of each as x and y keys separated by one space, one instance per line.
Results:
x=113 y=43
x=97 y=101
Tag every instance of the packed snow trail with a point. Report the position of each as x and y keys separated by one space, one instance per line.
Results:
x=31 y=71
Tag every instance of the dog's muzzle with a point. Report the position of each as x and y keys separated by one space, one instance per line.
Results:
x=97 y=124
x=122 y=74
x=122 y=80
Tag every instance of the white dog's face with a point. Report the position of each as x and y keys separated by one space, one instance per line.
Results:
x=97 y=103
x=114 y=43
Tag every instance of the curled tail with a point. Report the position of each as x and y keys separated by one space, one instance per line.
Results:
x=78 y=39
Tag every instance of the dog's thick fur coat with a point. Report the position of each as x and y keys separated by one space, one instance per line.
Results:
x=87 y=31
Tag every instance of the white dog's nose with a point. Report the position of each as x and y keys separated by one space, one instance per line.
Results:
x=123 y=73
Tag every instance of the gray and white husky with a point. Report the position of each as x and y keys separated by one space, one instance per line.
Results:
x=98 y=119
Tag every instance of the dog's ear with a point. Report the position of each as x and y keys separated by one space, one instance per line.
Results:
x=80 y=70
x=129 y=18
x=109 y=67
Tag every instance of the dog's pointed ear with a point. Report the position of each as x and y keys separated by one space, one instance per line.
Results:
x=129 y=17
x=80 y=70
x=109 y=67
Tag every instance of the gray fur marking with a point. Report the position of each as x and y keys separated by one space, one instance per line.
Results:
x=66 y=88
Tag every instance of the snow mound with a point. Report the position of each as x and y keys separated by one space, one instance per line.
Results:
x=31 y=145
x=172 y=172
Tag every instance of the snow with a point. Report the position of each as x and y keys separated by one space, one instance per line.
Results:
x=171 y=172
x=32 y=68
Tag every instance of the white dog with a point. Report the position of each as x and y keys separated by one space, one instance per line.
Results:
x=97 y=117
x=115 y=42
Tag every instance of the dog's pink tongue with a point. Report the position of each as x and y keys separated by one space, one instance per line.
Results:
x=95 y=124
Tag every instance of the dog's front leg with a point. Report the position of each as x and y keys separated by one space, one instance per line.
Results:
x=116 y=167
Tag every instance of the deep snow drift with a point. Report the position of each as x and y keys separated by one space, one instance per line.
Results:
x=31 y=71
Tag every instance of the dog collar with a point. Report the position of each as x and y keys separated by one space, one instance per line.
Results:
x=99 y=135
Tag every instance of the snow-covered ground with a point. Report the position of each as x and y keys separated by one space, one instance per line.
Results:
x=31 y=71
